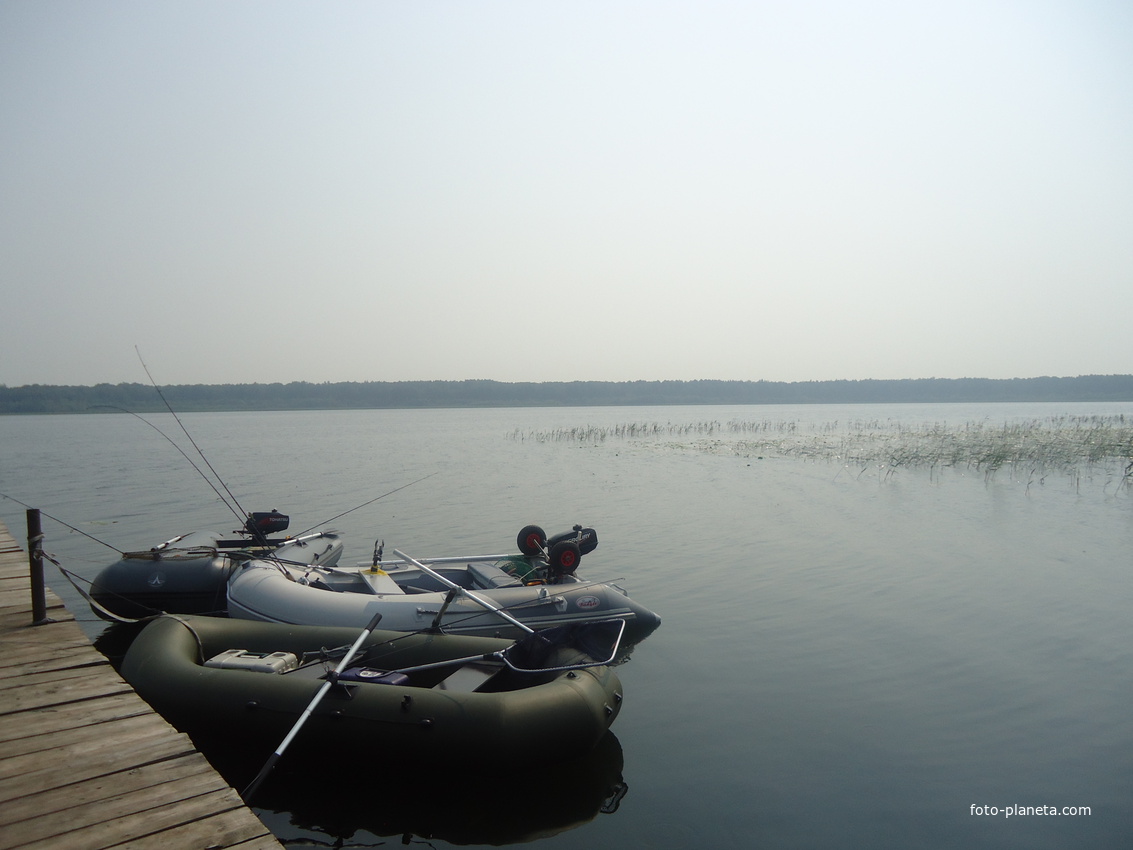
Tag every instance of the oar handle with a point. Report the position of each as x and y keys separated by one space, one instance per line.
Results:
x=374 y=622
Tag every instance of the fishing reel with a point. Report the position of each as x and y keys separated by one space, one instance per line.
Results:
x=563 y=551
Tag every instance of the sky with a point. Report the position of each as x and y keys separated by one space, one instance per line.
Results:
x=557 y=191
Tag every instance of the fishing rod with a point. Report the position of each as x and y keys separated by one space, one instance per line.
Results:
x=65 y=525
x=364 y=504
x=241 y=513
x=198 y=470
x=237 y=510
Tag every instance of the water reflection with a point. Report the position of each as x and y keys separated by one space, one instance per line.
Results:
x=116 y=638
x=333 y=801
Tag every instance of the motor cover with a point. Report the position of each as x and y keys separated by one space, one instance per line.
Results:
x=266 y=522
x=586 y=538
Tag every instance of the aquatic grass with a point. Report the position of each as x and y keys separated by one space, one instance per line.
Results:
x=647 y=430
x=625 y=431
x=1036 y=446
x=1039 y=447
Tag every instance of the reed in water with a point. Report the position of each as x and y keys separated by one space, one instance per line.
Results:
x=1058 y=443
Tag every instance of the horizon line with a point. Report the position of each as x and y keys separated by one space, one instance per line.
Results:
x=580 y=381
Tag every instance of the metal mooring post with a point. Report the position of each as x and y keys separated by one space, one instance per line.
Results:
x=35 y=563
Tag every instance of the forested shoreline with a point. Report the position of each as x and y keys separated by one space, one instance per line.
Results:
x=300 y=395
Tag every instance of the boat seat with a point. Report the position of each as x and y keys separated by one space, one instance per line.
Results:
x=490 y=576
x=467 y=678
x=379 y=581
x=373 y=676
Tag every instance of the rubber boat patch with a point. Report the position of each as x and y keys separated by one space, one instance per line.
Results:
x=586 y=603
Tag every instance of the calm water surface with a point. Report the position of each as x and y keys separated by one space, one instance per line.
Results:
x=847 y=658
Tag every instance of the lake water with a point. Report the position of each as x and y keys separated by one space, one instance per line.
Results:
x=850 y=655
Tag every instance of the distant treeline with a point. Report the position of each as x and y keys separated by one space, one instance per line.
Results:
x=142 y=398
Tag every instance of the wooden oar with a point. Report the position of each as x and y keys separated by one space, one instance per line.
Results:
x=483 y=603
x=331 y=679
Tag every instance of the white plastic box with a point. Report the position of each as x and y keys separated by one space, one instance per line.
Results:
x=259 y=662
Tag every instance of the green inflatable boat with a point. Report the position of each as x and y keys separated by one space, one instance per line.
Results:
x=412 y=696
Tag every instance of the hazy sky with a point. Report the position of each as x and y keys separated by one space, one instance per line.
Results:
x=549 y=191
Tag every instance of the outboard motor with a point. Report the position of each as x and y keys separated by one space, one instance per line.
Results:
x=565 y=550
x=262 y=523
x=586 y=538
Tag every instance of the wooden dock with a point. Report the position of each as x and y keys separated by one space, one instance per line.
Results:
x=85 y=763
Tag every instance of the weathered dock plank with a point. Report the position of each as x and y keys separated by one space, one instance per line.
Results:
x=13 y=619
x=92 y=756
x=40 y=675
x=225 y=830
x=59 y=718
x=73 y=686
x=156 y=821
x=73 y=740
x=110 y=813
x=85 y=763
x=52 y=657
x=14 y=594
x=191 y=768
